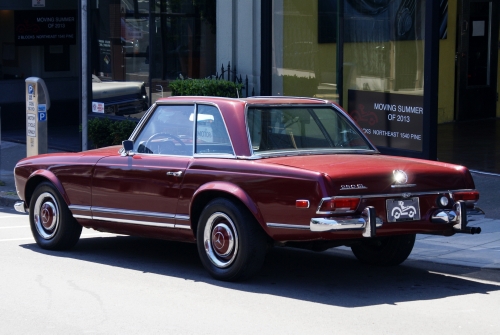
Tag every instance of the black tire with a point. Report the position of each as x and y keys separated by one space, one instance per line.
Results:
x=52 y=224
x=386 y=251
x=231 y=244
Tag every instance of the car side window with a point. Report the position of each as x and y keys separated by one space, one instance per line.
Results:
x=211 y=132
x=169 y=131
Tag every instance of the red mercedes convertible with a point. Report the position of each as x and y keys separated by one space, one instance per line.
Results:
x=237 y=176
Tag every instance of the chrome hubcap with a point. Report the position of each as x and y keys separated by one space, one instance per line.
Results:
x=46 y=215
x=220 y=239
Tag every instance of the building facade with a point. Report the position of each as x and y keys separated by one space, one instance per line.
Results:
x=372 y=57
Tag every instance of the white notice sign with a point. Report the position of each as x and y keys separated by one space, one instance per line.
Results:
x=97 y=107
x=31 y=124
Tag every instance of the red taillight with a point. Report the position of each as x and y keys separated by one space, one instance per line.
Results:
x=340 y=204
x=302 y=203
x=469 y=196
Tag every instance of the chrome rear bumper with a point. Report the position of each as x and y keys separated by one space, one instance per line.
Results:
x=20 y=206
x=367 y=222
x=458 y=216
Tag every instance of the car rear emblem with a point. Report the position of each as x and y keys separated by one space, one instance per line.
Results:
x=353 y=187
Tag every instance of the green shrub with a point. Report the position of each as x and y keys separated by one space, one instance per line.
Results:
x=104 y=132
x=206 y=87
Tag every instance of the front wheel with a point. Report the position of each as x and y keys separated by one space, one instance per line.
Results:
x=231 y=244
x=51 y=222
x=392 y=250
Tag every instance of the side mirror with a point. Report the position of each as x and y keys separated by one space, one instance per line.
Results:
x=128 y=147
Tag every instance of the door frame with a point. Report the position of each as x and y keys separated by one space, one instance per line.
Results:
x=462 y=90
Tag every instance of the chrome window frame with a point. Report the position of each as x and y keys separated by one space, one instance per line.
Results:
x=211 y=155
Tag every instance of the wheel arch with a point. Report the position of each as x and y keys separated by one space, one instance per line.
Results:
x=38 y=177
x=212 y=190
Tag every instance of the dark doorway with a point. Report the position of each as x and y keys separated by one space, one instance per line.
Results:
x=476 y=59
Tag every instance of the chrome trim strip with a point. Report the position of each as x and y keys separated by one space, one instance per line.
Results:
x=213 y=155
x=86 y=217
x=288 y=97
x=182 y=226
x=104 y=210
x=132 y=212
x=79 y=208
x=142 y=223
x=392 y=195
x=286 y=226
x=403 y=185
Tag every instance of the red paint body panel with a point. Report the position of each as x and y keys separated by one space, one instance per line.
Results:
x=161 y=196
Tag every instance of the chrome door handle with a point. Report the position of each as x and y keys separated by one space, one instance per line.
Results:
x=175 y=174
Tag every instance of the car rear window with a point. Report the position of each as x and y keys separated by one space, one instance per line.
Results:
x=302 y=128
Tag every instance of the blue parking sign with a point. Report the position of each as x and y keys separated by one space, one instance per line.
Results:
x=42 y=112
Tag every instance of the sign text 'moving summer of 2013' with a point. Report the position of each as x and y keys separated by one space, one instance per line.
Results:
x=389 y=119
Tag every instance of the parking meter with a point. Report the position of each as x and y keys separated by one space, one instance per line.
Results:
x=37 y=105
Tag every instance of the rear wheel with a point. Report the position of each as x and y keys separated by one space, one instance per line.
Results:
x=391 y=250
x=231 y=244
x=51 y=222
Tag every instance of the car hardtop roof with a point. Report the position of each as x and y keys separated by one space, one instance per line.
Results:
x=258 y=100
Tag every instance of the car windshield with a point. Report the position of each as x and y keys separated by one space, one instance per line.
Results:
x=302 y=128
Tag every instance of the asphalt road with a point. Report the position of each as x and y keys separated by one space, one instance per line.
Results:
x=111 y=284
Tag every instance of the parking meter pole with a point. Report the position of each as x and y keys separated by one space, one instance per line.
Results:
x=37 y=105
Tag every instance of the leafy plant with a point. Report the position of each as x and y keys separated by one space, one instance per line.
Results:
x=104 y=132
x=206 y=87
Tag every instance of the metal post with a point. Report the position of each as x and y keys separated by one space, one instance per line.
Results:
x=431 y=80
x=340 y=52
x=85 y=75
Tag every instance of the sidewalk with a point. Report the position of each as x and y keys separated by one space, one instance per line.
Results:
x=481 y=251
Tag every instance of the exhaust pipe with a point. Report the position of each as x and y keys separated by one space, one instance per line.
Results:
x=469 y=230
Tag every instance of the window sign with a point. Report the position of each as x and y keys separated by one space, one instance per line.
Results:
x=389 y=120
x=54 y=27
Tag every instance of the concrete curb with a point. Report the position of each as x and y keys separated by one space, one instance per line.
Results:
x=8 y=201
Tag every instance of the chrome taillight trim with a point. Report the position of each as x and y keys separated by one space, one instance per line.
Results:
x=339 y=211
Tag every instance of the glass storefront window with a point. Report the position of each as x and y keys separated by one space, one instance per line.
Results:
x=304 y=49
x=384 y=70
x=138 y=47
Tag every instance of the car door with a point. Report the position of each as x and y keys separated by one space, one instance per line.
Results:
x=143 y=188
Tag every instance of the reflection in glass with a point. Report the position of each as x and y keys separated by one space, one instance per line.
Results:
x=146 y=44
x=304 y=49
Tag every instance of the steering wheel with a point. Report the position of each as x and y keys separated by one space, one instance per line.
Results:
x=166 y=135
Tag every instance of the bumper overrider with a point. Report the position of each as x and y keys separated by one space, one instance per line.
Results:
x=459 y=216
x=20 y=206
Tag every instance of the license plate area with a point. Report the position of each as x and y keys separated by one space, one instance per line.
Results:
x=399 y=210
